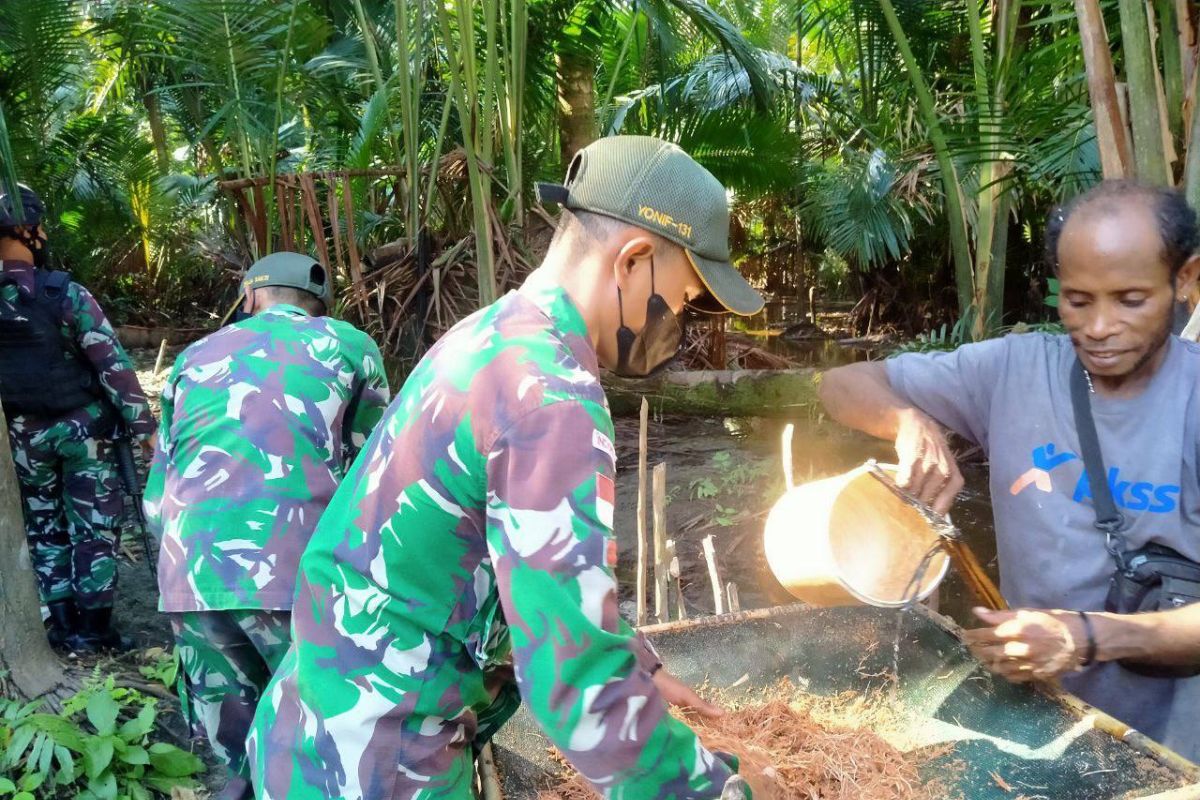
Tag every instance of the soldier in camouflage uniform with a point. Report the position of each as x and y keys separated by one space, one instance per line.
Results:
x=466 y=563
x=67 y=386
x=260 y=421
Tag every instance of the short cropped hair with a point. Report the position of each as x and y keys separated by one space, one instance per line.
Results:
x=1177 y=227
x=294 y=297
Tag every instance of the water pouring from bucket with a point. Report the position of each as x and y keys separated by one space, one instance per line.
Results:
x=859 y=538
x=848 y=540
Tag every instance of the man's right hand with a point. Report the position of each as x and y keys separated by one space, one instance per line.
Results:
x=928 y=468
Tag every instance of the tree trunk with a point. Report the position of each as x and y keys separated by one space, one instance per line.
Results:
x=960 y=247
x=158 y=131
x=576 y=102
x=1145 y=114
x=786 y=393
x=28 y=668
x=1116 y=160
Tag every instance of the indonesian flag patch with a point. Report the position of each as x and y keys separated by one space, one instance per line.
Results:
x=606 y=497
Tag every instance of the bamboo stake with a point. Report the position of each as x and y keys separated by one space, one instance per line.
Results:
x=676 y=583
x=337 y=229
x=789 y=475
x=710 y=556
x=312 y=210
x=735 y=604
x=162 y=354
x=660 y=543
x=488 y=781
x=641 y=513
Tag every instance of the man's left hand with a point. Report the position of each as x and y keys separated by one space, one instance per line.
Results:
x=1028 y=644
x=679 y=694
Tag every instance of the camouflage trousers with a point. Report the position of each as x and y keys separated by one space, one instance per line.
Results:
x=72 y=502
x=228 y=657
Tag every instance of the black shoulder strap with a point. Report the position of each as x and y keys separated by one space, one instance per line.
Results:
x=1108 y=518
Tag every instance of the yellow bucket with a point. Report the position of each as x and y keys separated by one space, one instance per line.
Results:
x=848 y=540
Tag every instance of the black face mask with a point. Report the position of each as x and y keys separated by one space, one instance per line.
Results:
x=39 y=247
x=41 y=256
x=240 y=315
x=644 y=353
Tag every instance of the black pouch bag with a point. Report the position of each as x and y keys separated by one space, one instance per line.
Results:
x=1151 y=578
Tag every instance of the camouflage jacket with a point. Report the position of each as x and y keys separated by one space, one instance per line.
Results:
x=84 y=325
x=471 y=542
x=260 y=421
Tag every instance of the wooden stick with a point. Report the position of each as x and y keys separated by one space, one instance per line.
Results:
x=974 y=575
x=677 y=584
x=487 y=774
x=1112 y=137
x=710 y=556
x=735 y=604
x=162 y=354
x=788 y=475
x=641 y=515
x=660 y=543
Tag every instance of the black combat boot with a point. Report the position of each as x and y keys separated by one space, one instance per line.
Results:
x=96 y=633
x=63 y=622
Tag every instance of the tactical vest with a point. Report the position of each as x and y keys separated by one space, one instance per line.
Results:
x=42 y=374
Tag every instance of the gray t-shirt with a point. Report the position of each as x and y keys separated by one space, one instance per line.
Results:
x=1012 y=397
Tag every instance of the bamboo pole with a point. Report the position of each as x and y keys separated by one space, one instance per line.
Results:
x=1116 y=159
x=964 y=273
x=710 y=555
x=162 y=354
x=731 y=591
x=676 y=580
x=789 y=475
x=1149 y=158
x=643 y=431
x=661 y=564
x=489 y=781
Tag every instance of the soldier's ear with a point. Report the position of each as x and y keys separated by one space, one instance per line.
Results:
x=248 y=300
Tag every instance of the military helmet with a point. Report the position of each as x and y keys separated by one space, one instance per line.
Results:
x=32 y=207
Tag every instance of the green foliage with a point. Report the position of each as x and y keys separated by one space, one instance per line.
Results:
x=1052 y=297
x=940 y=339
x=729 y=477
x=99 y=747
x=163 y=668
x=852 y=207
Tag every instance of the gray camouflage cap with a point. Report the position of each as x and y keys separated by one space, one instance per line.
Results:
x=294 y=270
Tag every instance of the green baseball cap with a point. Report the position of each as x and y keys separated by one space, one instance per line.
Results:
x=658 y=187
x=294 y=270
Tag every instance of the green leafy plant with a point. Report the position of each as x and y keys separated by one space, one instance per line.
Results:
x=163 y=667
x=99 y=747
x=1052 y=286
x=703 y=488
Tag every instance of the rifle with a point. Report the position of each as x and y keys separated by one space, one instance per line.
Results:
x=132 y=484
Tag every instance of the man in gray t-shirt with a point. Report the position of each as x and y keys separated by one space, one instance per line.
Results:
x=1124 y=254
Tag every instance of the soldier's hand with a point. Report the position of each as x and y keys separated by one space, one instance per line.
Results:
x=148 y=445
x=928 y=468
x=679 y=694
x=736 y=788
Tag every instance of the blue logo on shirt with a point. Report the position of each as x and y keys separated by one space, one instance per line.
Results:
x=1127 y=494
